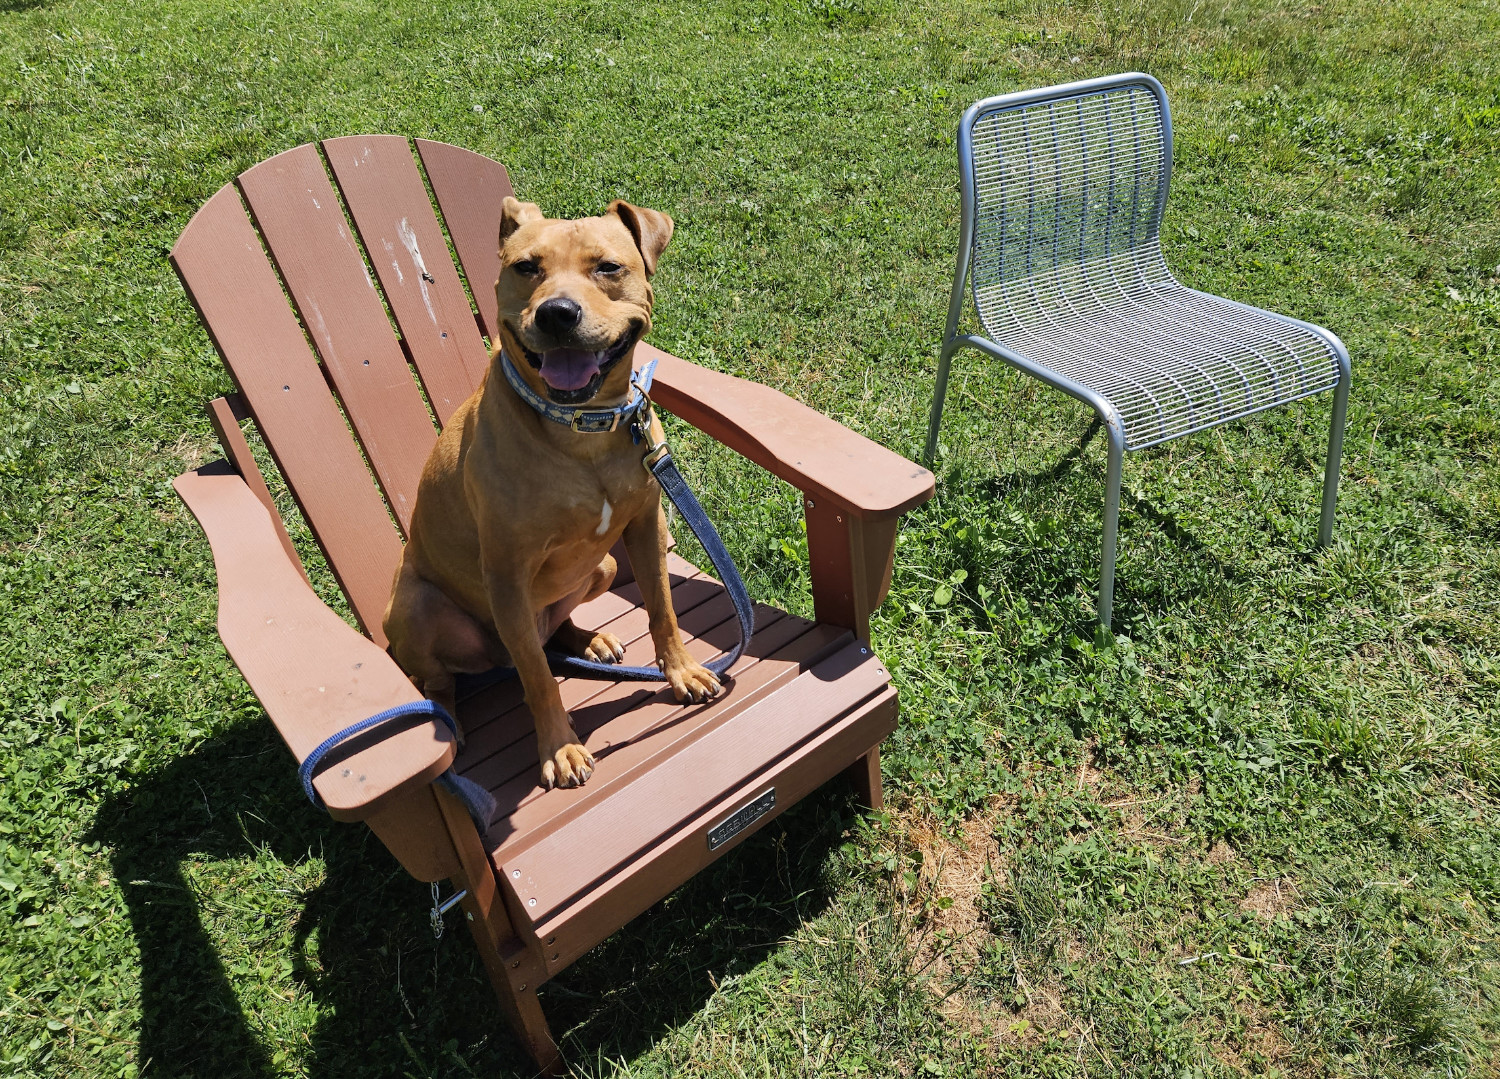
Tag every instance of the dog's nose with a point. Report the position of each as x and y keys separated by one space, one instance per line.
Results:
x=558 y=315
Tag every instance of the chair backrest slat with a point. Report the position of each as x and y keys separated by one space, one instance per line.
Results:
x=299 y=215
x=1065 y=179
x=393 y=213
x=232 y=284
x=470 y=189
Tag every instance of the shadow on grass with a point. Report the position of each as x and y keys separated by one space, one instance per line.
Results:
x=389 y=1000
x=1075 y=563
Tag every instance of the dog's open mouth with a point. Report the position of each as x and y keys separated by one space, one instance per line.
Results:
x=573 y=375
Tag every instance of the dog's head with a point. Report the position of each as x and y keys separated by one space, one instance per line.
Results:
x=575 y=296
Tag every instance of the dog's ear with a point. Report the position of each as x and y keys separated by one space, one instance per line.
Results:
x=514 y=213
x=651 y=229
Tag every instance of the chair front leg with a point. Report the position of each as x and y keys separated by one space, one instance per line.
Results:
x=1111 y=517
x=1335 y=453
x=850 y=563
x=935 y=418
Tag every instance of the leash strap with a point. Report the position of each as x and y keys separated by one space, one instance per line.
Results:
x=665 y=471
x=478 y=801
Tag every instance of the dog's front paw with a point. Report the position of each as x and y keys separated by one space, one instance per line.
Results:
x=691 y=681
x=569 y=766
x=604 y=648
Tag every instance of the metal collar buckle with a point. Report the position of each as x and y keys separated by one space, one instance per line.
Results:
x=594 y=423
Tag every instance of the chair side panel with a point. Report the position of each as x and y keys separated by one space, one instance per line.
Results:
x=227 y=276
x=471 y=190
x=393 y=213
x=299 y=214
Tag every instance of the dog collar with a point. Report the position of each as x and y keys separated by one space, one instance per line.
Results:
x=587 y=421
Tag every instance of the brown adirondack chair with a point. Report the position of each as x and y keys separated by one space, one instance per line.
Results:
x=676 y=786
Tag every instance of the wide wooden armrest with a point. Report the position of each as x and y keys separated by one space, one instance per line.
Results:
x=311 y=671
x=817 y=455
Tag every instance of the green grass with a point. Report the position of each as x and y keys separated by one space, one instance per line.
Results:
x=1252 y=834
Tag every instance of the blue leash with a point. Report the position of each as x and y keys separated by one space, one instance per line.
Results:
x=665 y=471
x=658 y=461
x=478 y=801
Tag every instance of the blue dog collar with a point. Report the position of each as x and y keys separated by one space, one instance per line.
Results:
x=595 y=421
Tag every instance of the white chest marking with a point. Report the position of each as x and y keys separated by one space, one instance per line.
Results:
x=604 y=516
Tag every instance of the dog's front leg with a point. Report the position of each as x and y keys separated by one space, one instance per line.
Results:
x=646 y=542
x=565 y=763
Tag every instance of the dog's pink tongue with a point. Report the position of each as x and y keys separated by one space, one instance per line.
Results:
x=569 y=368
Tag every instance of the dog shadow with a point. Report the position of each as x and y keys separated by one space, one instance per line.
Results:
x=391 y=1000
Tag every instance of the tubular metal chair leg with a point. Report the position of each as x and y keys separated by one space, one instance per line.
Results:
x=1111 y=521
x=1335 y=457
x=938 y=393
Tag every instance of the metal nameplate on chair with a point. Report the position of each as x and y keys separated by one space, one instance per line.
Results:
x=741 y=819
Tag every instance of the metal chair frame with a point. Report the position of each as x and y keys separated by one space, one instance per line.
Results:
x=1122 y=343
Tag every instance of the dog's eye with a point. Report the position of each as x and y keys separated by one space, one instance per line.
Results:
x=526 y=268
x=609 y=267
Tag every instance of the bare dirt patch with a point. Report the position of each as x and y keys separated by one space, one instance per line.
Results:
x=1263 y=1045
x=1269 y=898
x=954 y=871
x=1221 y=853
x=949 y=901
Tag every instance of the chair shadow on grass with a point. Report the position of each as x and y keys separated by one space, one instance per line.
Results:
x=391 y=1000
x=1131 y=595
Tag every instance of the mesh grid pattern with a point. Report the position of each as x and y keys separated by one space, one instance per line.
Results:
x=1067 y=270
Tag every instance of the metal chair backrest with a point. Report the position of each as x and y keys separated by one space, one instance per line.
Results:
x=1064 y=190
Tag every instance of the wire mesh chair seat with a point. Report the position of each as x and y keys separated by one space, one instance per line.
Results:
x=1063 y=194
x=1170 y=359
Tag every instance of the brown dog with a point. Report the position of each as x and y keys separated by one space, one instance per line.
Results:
x=516 y=513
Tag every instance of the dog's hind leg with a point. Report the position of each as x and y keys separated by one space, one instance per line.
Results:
x=432 y=639
x=601 y=646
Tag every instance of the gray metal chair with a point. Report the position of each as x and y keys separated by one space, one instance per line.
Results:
x=1063 y=193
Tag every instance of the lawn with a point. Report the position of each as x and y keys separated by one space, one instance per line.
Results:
x=1252 y=832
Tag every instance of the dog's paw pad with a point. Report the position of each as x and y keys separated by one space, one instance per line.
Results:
x=604 y=648
x=694 y=683
x=570 y=766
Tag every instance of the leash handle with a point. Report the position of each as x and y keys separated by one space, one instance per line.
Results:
x=478 y=801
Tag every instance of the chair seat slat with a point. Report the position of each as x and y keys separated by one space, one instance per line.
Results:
x=495 y=718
